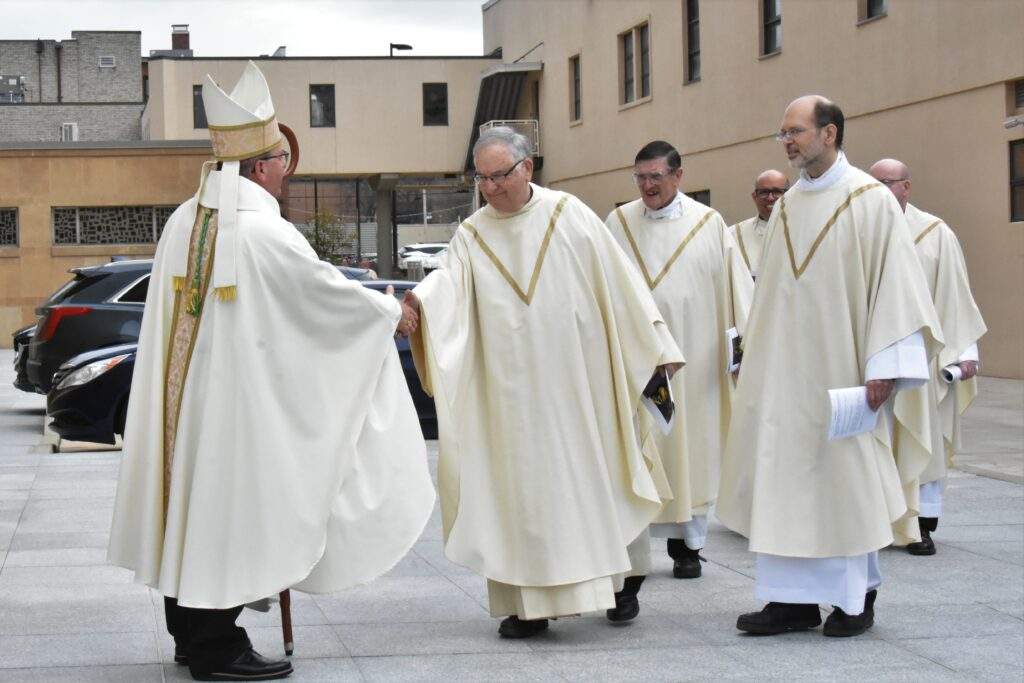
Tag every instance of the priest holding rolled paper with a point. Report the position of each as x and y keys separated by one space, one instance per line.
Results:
x=538 y=340
x=271 y=441
x=841 y=302
x=953 y=384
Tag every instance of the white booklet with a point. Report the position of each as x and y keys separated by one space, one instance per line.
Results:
x=952 y=373
x=851 y=413
x=734 y=350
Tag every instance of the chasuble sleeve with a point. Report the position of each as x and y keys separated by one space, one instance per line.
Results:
x=962 y=324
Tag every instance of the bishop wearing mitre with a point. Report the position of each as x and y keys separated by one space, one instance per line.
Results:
x=841 y=303
x=696 y=274
x=271 y=441
x=537 y=340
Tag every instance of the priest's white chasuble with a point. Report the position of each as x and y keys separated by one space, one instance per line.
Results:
x=702 y=287
x=271 y=441
x=945 y=272
x=839 y=283
x=750 y=235
x=536 y=340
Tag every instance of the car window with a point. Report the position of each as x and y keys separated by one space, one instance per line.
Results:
x=137 y=293
x=72 y=286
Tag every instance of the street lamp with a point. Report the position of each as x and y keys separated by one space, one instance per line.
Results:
x=397 y=46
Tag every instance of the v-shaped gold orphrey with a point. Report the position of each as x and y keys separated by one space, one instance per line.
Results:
x=743 y=247
x=797 y=272
x=927 y=230
x=672 y=259
x=526 y=296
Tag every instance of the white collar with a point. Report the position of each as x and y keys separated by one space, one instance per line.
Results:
x=251 y=197
x=827 y=179
x=674 y=209
x=760 y=225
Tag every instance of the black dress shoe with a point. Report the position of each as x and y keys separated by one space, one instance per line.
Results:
x=627 y=605
x=514 y=627
x=687 y=560
x=780 y=617
x=179 y=655
x=926 y=546
x=250 y=666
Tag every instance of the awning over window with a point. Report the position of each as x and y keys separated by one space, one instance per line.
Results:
x=500 y=88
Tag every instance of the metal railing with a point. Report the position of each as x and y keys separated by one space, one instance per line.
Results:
x=528 y=127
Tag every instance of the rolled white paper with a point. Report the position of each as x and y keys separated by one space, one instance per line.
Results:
x=952 y=373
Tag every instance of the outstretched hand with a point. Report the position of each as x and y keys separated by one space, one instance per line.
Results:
x=410 y=313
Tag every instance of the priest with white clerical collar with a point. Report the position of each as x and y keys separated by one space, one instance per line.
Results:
x=271 y=441
x=696 y=274
x=953 y=384
x=750 y=234
x=841 y=303
x=537 y=340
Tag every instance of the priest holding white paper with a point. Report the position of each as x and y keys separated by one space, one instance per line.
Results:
x=537 y=339
x=962 y=326
x=271 y=441
x=690 y=262
x=841 y=302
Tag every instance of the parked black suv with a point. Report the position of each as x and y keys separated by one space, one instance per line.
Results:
x=101 y=306
x=21 y=339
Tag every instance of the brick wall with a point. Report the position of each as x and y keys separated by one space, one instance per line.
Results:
x=96 y=122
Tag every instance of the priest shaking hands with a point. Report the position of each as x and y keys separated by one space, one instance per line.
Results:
x=271 y=441
x=537 y=340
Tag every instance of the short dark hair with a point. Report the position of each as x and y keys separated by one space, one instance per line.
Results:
x=826 y=112
x=657 y=150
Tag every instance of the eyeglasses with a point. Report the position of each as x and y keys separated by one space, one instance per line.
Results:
x=889 y=182
x=768 y=191
x=656 y=178
x=789 y=134
x=285 y=155
x=497 y=178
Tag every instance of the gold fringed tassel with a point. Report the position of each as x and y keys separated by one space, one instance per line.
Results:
x=227 y=293
x=178 y=282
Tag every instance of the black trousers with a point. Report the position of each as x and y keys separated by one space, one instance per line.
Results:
x=677 y=549
x=208 y=637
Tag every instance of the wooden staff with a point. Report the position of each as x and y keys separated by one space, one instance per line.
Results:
x=286 y=622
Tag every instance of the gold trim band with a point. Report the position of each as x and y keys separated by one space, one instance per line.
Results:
x=926 y=231
x=675 y=254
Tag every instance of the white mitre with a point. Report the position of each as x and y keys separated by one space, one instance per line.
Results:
x=242 y=125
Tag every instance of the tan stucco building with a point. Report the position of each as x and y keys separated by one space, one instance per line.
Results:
x=930 y=82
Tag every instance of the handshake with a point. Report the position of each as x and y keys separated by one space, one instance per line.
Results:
x=410 y=312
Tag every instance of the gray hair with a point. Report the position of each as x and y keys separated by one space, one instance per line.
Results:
x=516 y=143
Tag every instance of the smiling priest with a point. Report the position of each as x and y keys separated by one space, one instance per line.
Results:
x=537 y=340
x=841 y=302
x=271 y=441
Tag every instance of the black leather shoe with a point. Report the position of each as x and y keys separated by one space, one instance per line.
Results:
x=780 y=617
x=250 y=666
x=179 y=655
x=926 y=546
x=514 y=627
x=627 y=605
x=687 y=560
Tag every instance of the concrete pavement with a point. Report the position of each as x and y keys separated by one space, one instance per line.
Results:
x=66 y=615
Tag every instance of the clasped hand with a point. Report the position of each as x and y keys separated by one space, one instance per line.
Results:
x=410 y=312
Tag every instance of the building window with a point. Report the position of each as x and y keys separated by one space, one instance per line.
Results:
x=321 y=106
x=702 y=196
x=692 y=39
x=8 y=227
x=575 y=89
x=109 y=224
x=635 y=63
x=771 y=27
x=107 y=62
x=1018 y=94
x=198 y=110
x=1017 y=180
x=435 y=104
x=69 y=132
x=871 y=9
x=12 y=89
x=627 y=67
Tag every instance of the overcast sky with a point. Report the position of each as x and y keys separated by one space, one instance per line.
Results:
x=254 y=27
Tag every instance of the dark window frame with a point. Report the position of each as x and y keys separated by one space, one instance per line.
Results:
x=17 y=227
x=198 y=108
x=691 y=38
x=702 y=196
x=435 y=118
x=1016 y=182
x=575 y=88
x=870 y=10
x=771 y=20
x=328 y=114
x=643 y=39
x=1018 y=94
x=627 y=77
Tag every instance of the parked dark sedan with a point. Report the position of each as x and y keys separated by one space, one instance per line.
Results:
x=100 y=306
x=21 y=339
x=89 y=398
